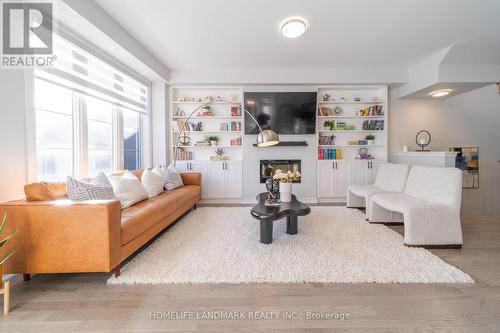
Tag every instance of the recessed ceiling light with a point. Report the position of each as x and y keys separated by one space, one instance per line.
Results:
x=441 y=93
x=293 y=27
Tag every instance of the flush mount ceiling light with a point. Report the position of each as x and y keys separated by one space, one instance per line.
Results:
x=293 y=27
x=441 y=93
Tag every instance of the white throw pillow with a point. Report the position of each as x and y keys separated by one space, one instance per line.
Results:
x=98 y=188
x=128 y=189
x=159 y=171
x=152 y=182
x=173 y=178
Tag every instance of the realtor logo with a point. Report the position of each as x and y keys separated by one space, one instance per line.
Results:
x=27 y=28
x=27 y=34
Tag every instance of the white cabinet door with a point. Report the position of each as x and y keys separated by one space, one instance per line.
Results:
x=325 y=181
x=372 y=171
x=341 y=178
x=216 y=184
x=359 y=173
x=233 y=186
x=182 y=166
x=201 y=167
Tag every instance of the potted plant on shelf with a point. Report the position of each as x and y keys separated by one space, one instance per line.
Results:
x=329 y=124
x=286 y=179
x=370 y=138
x=213 y=139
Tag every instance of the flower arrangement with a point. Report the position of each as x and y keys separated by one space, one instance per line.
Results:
x=286 y=177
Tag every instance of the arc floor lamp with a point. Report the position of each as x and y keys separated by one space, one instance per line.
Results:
x=265 y=138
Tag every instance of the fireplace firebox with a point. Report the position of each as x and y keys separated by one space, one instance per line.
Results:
x=267 y=168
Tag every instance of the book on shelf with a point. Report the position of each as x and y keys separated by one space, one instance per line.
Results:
x=202 y=143
x=329 y=154
x=357 y=142
x=373 y=125
x=340 y=126
x=181 y=125
x=326 y=140
x=236 y=142
x=233 y=126
x=235 y=111
x=183 y=154
x=375 y=110
x=324 y=111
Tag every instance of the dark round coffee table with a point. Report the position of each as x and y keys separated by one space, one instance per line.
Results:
x=267 y=214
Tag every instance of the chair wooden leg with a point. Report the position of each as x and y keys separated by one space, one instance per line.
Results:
x=117 y=271
x=6 y=297
x=26 y=277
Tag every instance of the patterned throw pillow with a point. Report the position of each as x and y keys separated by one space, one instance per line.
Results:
x=98 y=188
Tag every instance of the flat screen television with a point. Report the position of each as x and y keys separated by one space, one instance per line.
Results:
x=283 y=112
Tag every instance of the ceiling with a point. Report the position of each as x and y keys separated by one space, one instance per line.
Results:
x=243 y=34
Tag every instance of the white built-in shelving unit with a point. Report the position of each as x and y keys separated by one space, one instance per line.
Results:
x=342 y=98
x=186 y=99
x=336 y=171
x=222 y=179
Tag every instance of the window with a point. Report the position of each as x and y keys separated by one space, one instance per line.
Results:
x=100 y=136
x=88 y=115
x=131 y=139
x=54 y=131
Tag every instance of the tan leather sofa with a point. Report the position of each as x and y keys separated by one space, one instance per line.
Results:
x=62 y=236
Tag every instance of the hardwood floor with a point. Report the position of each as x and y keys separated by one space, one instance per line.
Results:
x=83 y=302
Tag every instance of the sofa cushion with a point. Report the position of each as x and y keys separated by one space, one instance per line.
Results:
x=399 y=202
x=45 y=191
x=365 y=190
x=189 y=192
x=142 y=216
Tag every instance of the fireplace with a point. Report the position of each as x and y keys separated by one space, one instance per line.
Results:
x=267 y=168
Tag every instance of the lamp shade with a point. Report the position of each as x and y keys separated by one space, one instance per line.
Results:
x=267 y=138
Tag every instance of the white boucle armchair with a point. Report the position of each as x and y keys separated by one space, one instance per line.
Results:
x=430 y=205
x=390 y=178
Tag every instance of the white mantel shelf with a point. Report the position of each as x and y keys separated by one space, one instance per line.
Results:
x=428 y=158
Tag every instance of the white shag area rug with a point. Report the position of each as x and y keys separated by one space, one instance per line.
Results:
x=334 y=244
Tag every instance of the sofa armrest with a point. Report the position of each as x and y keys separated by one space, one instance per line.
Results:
x=63 y=236
x=191 y=178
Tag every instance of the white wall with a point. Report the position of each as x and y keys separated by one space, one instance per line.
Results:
x=469 y=119
x=13 y=162
x=159 y=123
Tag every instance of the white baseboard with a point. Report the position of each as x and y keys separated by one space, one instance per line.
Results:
x=342 y=200
x=248 y=201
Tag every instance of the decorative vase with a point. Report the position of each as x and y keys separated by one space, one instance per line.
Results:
x=213 y=143
x=371 y=142
x=285 y=192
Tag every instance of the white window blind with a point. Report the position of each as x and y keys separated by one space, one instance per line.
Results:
x=88 y=74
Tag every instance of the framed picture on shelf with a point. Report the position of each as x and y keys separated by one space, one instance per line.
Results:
x=467 y=160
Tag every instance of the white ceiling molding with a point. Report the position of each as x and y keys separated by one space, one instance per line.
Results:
x=391 y=76
x=460 y=68
x=423 y=74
